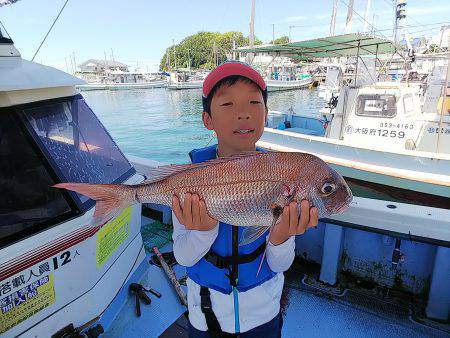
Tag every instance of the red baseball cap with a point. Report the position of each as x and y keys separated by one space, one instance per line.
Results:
x=229 y=69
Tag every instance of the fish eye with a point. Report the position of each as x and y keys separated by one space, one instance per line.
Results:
x=328 y=188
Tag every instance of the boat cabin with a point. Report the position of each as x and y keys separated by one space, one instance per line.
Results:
x=53 y=262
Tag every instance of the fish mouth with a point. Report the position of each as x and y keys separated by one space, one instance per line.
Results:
x=243 y=131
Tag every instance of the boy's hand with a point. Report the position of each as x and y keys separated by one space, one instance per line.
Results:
x=193 y=214
x=291 y=224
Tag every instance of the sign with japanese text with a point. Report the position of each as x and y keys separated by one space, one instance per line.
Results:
x=25 y=302
x=112 y=235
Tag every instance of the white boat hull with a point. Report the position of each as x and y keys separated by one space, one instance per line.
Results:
x=276 y=85
x=81 y=271
x=413 y=170
x=185 y=85
x=122 y=86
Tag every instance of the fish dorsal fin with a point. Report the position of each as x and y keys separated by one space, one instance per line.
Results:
x=162 y=172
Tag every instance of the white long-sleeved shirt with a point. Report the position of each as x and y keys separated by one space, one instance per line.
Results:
x=257 y=306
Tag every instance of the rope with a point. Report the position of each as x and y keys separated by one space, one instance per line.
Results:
x=45 y=37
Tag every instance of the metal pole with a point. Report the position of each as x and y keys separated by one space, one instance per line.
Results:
x=234 y=48
x=366 y=15
x=174 y=54
x=357 y=60
x=395 y=21
x=273 y=33
x=74 y=62
x=348 y=21
x=189 y=59
x=71 y=64
x=376 y=58
x=252 y=26
x=444 y=97
x=333 y=17
x=373 y=23
x=252 y=33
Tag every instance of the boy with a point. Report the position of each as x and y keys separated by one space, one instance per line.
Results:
x=226 y=295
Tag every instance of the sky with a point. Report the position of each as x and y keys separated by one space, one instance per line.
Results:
x=137 y=32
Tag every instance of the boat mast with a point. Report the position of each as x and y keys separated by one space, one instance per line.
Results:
x=399 y=13
x=174 y=54
x=366 y=16
x=251 y=36
x=444 y=97
x=333 y=17
x=189 y=58
x=395 y=20
x=348 y=22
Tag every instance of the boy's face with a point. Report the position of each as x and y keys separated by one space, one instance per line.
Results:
x=238 y=115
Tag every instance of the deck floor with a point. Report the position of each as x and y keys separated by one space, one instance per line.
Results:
x=315 y=313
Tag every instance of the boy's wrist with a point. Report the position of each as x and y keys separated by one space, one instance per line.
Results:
x=277 y=240
x=205 y=228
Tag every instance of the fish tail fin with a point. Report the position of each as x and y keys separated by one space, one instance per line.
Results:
x=109 y=198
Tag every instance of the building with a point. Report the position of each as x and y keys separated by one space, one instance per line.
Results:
x=106 y=71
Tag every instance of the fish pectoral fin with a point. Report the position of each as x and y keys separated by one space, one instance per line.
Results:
x=251 y=234
x=289 y=193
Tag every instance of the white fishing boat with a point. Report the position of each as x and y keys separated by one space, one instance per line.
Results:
x=286 y=76
x=389 y=137
x=185 y=79
x=56 y=268
x=279 y=85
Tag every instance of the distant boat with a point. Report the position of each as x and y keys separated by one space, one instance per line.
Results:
x=278 y=85
x=287 y=76
x=185 y=79
x=114 y=75
x=122 y=86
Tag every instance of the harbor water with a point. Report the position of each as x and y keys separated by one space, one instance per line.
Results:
x=164 y=125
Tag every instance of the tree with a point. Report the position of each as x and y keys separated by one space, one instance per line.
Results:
x=280 y=40
x=203 y=50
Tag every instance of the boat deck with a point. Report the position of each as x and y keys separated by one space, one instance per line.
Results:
x=312 y=311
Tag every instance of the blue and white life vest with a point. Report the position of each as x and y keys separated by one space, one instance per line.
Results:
x=205 y=273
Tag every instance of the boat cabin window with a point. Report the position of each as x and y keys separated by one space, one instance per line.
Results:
x=408 y=103
x=4 y=37
x=376 y=105
x=77 y=143
x=44 y=143
x=27 y=197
